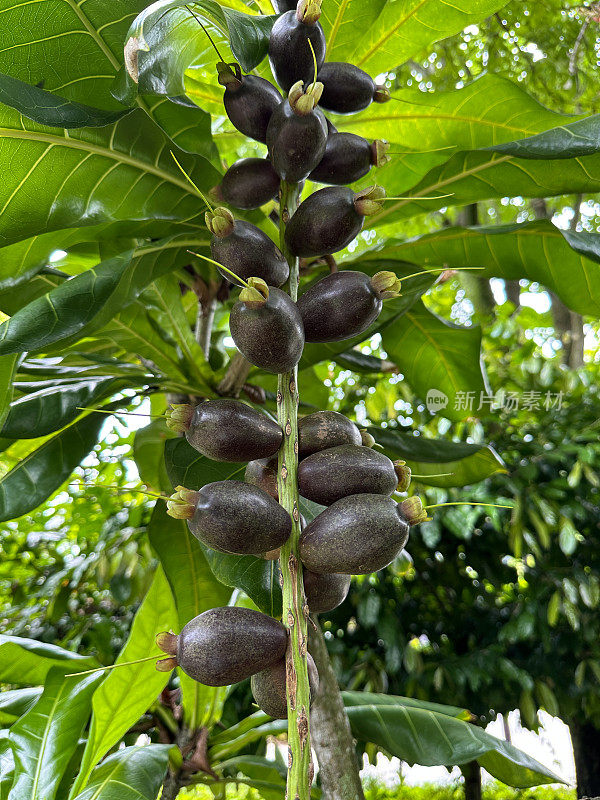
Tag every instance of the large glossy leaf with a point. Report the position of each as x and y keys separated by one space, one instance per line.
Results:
x=195 y=590
x=8 y=365
x=370 y=698
x=84 y=304
x=27 y=661
x=7 y=764
x=34 y=478
x=418 y=735
x=578 y=138
x=15 y=702
x=377 y=35
x=46 y=737
x=465 y=463
x=134 y=773
x=51 y=408
x=565 y=262
x=255 y=576
x=435 y=355
x=128 y=692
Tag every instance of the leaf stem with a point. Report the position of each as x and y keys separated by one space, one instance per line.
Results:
x=295 y=609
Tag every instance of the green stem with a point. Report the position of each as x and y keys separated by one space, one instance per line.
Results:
x=295 y=610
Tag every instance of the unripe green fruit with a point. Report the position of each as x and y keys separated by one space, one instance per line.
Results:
x=326 y=591
x=331 y=474
x=269 y=687
x=269 y=335
x=249 y=102
x=296 y=142
x=290 y=55
x=325 y=429
x=227 y=430
x=263 y=473
x=248 y=252
x=357 y=535
x=224 y=645
x=235 y=517
x=339 y=306
x=348 y=89
x=249 y=183
x=348 y=158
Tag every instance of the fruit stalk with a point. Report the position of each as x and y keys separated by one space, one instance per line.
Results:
x=295 y=610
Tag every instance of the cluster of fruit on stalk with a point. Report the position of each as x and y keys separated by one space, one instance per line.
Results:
x=362 y=529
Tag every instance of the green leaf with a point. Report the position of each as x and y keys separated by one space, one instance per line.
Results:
x=38 y=475
x=435 y=355
x=371 y=698
x=7 y=765
x=363 y=363
x=255 y=576
x=553 y=609
x=49 y=109
x=134 y=773
x=51 y=408
x=416 y=734
x=533 y=250
x=27 y=661
x=195 y=590
x=149 y=454
x=8 y=365
x=378 y=35
x=15 y=702
x=567 y=537
x=84 y=304
x=128 y=692
x=578 y=138
x=47 y=736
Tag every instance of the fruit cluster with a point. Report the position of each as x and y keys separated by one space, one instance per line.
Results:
x=362 y=528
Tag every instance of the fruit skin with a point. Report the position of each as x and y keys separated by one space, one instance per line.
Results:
x=270 y=336
x=339 y=306
x=325 y=429
x=281 y=6
x=348 y=88
x=269 y=687
x=356 y=535
x=249 y=252
x=331 y=474
x=263 y=473
x=325 y=592
x=289 y=53
x=347 y=158
x=229 y=430
x=325 y=222
x=249 y=103
x=249 y=183
x=234 y=517
x=296 y=142
x=226 y=645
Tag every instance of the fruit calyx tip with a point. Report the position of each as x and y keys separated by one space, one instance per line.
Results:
x=366 y=439
x=182 y=503
x=220 y=222
x=379 y=156
x=413 y=511
x=255 y=294
x=302 y=101
x=167 y=642
x=404 y=474
x=386 y=284
x=229 y=75
x=179 y=417
x=381 y=95
x=308 y=11
x=369 y=200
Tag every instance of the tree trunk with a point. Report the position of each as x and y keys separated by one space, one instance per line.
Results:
x=330 y=730
x=472 y=777
x=586 y=748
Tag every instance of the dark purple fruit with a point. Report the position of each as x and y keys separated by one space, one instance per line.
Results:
x=268 y=333
x=226 y=430
x=249 y=101
x=344 y=304
x=330 y=219
x=224 y=645
x=281 y=6
x=347 y=158
x=245 y=249
x=331 y=474
x=249 y=183
x=269 y=687
x=290 y=55
x=297 y=134
x=263 y=473
x=325 y=429
x=325 y=592
x=232 y=517
x=359 y=534
x=348 y=89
